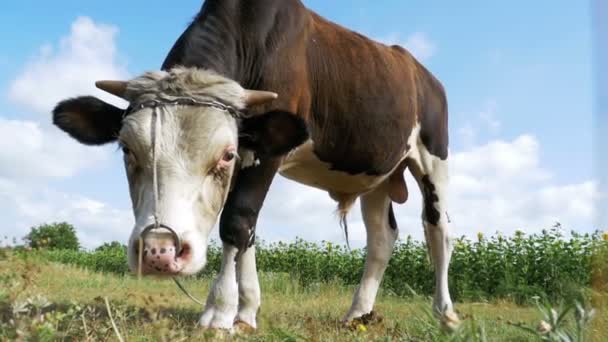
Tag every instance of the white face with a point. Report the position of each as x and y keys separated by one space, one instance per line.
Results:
x=195 y=160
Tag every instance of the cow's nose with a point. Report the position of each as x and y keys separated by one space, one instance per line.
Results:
x=161 y=248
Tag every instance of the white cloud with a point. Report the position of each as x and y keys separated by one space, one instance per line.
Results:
x=292 y=209
x=418 y=44
x=467 y=133
x=484 y=121
x=488 y=116
x=501 y=161
x=88 y=54
x=502 y=186
x=26 y=206
x=32 y=152
x=29 y=151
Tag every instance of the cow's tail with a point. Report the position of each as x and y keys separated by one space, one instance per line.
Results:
x=345 y=203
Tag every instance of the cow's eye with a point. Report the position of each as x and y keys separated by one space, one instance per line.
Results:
x=229 y=156
x=128 y=157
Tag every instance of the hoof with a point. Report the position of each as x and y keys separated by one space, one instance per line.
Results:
x=217 y=333
x=242 y=327
x=362 y=322
x=450 y=321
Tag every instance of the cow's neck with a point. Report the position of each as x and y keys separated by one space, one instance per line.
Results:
x=236 y=38
x=209 y=41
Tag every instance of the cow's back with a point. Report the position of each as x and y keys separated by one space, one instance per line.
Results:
x=365 y=99
x=361 y=99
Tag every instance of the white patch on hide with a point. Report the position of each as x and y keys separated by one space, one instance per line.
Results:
x=248 y=158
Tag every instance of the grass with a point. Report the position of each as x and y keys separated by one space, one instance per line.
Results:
x=41 y=300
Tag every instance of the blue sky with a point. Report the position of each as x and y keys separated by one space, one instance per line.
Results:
x=518 y=75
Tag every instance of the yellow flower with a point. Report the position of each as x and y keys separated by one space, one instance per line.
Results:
x=361 y=327
x=480 y=236
x=605 y=236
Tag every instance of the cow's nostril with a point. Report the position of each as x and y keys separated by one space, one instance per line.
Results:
x=185 y=252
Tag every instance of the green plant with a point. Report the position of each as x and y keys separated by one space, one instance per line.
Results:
x=107 y=260
x=517 y=268
x=554 y=326
x=60 y=236
x=111 y=246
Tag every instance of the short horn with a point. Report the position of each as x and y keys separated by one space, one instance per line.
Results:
x=117 y=88
x=258 y=97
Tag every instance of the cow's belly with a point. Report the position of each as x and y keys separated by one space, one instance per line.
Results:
x=303 y=166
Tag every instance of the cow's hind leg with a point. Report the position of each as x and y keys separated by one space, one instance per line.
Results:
x=431 y=173
x=381 y=235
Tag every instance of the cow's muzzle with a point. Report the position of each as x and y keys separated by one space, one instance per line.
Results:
x=163 y=250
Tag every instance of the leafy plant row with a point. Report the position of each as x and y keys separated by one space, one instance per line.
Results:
x=519 y=267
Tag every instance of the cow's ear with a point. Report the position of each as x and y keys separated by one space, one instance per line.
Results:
x=273 y=133
x=88 y=119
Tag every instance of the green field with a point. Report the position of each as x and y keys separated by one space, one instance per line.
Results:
x=42 y=300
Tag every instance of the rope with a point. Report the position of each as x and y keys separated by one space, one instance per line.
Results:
x=156 y=193
x=181 y=287
x=154 y=167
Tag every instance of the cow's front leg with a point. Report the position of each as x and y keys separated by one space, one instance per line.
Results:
x=222 y=302
x=249 y=288
x=235 y=295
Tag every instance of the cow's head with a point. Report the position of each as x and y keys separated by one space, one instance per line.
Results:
x=188 y=146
